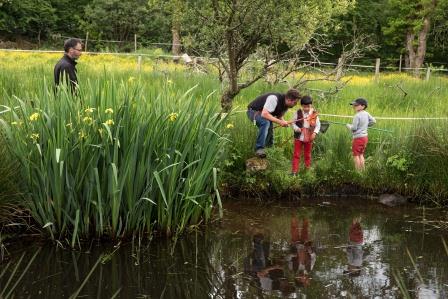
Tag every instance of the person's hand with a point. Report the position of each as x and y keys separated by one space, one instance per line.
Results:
x=349 y=126
x=283 y=123
x=298 y=130
x=313 y=136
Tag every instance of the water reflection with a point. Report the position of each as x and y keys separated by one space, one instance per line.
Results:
x=354 y=248
x=274 y=251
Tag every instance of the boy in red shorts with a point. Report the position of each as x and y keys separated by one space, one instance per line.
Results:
x=361 y=121
x=306 y=127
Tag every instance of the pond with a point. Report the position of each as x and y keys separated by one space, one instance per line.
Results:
x=319 y=248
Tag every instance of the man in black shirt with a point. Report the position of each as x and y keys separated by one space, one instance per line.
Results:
x=65 y=69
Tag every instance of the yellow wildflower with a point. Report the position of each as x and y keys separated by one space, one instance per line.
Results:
x=89 y=110
x=109 y=111
x=69 y=125
x=131 y=79
x=100 y=130
x=82 y=135
x=169 y=81
x=87 y=120
x=229 y=126
x=34 y=137
x=173 y=116
x=34 y=116
x=109 y=122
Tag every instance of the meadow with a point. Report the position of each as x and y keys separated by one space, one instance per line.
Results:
x=141 y=150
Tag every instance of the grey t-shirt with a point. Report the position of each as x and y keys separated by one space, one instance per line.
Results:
x=361 y=121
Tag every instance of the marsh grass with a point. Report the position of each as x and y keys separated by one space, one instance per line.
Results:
x=114 y=160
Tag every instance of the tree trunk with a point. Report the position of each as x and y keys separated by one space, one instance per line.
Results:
x=175 y=30
x=410 y=49
x=417 y=57
x=232 y=73
x=407 y=63
x=422 y=38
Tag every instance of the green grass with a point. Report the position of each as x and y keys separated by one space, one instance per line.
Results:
x=411 y=160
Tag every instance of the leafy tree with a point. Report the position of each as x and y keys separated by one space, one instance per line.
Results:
x=175 y=9
x=409 y=22
x=236 y=31
x=27 y=17
x=117 y=19
x=68 y=15
x=365 y=18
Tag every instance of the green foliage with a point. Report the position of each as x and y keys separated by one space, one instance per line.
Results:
x=115 y=161
x=118 y=20
x=398 y=162
x=27 y=17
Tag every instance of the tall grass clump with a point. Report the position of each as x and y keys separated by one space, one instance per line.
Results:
x=114 y=160
x=10 y=193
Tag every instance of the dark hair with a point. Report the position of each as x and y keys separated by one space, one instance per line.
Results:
x=71 y=43
x=292 y=94
x=306 y=100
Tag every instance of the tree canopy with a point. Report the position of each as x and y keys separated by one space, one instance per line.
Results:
x=415 y=29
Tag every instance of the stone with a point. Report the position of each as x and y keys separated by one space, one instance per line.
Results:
x=392 y=200
x=186 y=58
x=256 y=164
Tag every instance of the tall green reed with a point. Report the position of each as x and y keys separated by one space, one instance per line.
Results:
x=114 y=160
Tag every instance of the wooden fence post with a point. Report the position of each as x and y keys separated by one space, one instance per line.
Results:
x=428 y=73
x=399 y=67
x=135 y=42
x=377 y=69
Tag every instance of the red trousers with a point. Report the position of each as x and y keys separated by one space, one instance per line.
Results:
x=307 y=146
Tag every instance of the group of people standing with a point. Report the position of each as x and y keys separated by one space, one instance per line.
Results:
x=270 y=108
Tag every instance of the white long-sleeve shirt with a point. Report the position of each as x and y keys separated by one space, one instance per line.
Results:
x=306 y=124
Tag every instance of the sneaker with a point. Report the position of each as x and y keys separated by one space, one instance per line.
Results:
x=260 y=153
x=293 y=174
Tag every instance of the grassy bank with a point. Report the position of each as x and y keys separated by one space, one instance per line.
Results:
x=411 y=160
x=137 y=150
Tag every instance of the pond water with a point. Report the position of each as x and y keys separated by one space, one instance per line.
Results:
x=321 y=248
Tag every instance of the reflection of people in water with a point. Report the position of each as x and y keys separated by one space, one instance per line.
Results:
x=269 y=274
x=303 y=256
x=354 y=248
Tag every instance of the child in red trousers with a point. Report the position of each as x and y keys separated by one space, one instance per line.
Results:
x=306 y=127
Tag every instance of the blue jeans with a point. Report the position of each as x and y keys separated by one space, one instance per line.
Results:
x=265 y=137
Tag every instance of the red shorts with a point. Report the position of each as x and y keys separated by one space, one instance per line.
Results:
x=359 y=145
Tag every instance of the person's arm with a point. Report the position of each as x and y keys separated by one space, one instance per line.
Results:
x=316 y=129
x=269 y=107
x=294 y=126
x=354 y=126
x=57 y=74
x=69 y=75
x=372 y=120
x=266 y=114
